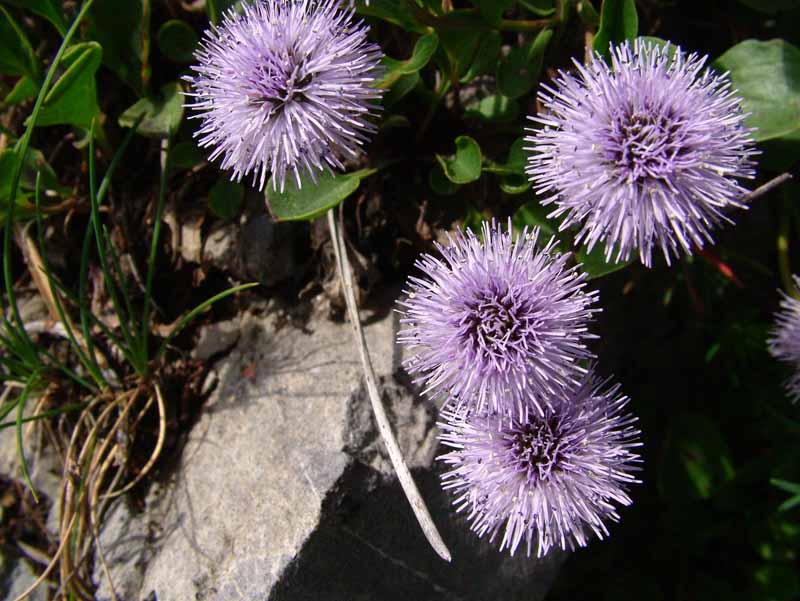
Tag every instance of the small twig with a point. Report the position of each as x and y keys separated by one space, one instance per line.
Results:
x=385 y=429
x=768 y=187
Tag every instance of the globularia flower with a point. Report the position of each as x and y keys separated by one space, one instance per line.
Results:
x=497 y=323
x=543 y=480
x=784 y=340
x=644 y=153
x=286 y=87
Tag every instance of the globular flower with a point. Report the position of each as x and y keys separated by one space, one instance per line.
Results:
x=784 y=339
x=543 y=481
x=497 y=323
x=644 y=153
x=285 y=87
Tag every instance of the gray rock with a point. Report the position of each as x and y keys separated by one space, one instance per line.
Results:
x=17 y=581
x=268 y=250
x=216 y=338
x=284 y=492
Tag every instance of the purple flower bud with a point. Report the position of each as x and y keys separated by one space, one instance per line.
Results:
x=497 y=324
x=645 y=152
x=543 y=480
x=784 y=339
x=285 y=87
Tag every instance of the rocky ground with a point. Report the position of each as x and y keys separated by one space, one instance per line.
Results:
x=283 y=490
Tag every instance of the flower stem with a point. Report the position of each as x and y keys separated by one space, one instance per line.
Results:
x=385 y=429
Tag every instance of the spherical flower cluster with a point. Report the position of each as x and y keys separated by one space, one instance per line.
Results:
x=497 y=323
x=543 y=480
x=286 y=87
x=784 y=339
x=643 y=153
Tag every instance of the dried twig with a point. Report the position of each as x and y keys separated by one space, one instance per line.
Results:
x=385 y=429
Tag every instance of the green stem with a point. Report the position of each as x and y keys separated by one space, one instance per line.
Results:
x=151 y=262
x=525 y=26
x=213 y=11
x=22 y=151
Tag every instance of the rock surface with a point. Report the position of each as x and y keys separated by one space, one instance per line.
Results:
x=283 y=491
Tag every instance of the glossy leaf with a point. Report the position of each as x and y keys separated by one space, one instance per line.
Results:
x=492 y=10
x=440 y=184
x=767 y=77
x=44 y=8
x=122 y=29
x=72 y=99
x=460 y=34
x=392 y=11
x=401 y=88
x=519 y=72
x=486 y=55
x=531 y=215
x=422 y=53
x=312 y=200
x=23 y=90
x=595 y=264
x=177 y=41
x=496 y=108
x=16 y=53
x=162 y=114
x=619 y=22
x=465 y=166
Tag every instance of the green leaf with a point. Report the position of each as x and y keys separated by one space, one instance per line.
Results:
x=540 y=8
x=465 y=166
x=587 y=13
x=177 y=41
x=618 y=23
x=422 y=53
x=461 y=33
x=45 y=8
x=514 y=184
x=492 y=10
x=496 y=108
x=776 y=582
x=440 y=184
x=485 y=59
x=23 y=90
x=186 y=155
x=73 y=97
x=515 y=163
x=392 y=11
x=790 y=487
x=772 y=6
x=697 y=459
x=123 y=30
x=519 y=72
x=595 y=264
x=401 y=88
x=767 y=77
x=34 y=162
x=312 y=200
x=16 y=53
x=532 y=214
x=162 y=115
x=225 y=198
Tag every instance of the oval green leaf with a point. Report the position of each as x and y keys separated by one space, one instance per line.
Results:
x=465 y=166
x=177 y=41
x=594 y=263
x=311 y=200
x=73 y=98
x=421 y=55
x=767 y=77
x=162 y=114
x=517 y=74
x=619 y=22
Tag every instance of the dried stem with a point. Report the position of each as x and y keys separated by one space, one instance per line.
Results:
x=385 y=429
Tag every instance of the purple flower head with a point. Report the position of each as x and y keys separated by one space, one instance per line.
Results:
x=497 y=324
x=285 y=87
x=643 y=153
x=784 y=339
x=543 y=480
